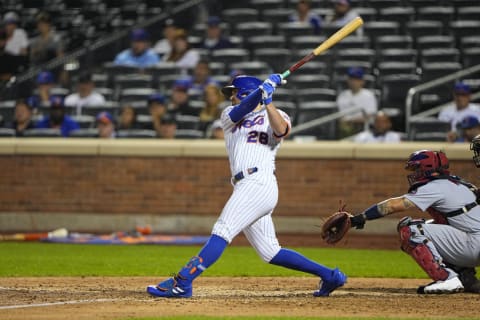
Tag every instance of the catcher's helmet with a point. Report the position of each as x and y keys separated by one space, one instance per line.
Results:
x=426 y=164
x=475 y=147
x=244 y=84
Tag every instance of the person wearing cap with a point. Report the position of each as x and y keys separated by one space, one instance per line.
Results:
x=23 y=116
x=168 y=126
x=342 y=14
x=157 y=107
x=17 y=38
x=380 y=131
x=461 y=107
x=127 y=118
x=356 y=96
x=48 y=44
x=182 y=54
x=305 y=15
x=214 y=38
x=105 y=125
x=57 y=118
x=139 y=54
x=45 y=81
x=467 y=129
x=85 y=95
x=163 y=47
x=179 y=98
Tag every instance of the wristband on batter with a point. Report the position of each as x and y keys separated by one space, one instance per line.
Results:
x=372 y=213
x=248 y=104
x=284 y=134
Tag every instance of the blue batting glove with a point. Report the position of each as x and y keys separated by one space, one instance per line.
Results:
x=269 y=85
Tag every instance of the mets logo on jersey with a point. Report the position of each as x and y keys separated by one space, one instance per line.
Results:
x=246 y=123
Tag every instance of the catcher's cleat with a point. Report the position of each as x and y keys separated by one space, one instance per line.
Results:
x=170 y=289
x=451 y=285
x=328 y=286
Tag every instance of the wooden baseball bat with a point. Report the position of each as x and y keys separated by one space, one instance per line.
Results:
x=58 y=233
x=327 y=44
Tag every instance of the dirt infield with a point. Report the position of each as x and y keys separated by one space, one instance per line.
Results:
x=119 y=298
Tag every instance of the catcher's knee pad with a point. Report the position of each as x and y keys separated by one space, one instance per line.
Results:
x=422 y=251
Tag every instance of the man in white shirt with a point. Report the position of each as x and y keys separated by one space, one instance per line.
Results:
x=461 y=107
x=380 y=131
x=17 y=39
x=85 y=95
x=356 y=96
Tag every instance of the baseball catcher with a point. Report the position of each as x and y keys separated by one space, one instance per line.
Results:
x=447 y=247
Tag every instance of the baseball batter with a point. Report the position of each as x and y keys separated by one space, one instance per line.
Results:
x=254 y=129
x=448 y=247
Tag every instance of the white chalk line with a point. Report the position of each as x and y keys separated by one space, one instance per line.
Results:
x=59 y=303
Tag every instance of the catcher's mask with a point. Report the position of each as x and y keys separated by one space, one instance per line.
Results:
x=475 y=147
x=425 y=164
x=244 y=85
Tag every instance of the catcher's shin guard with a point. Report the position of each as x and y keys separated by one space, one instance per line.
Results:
x=423 y=252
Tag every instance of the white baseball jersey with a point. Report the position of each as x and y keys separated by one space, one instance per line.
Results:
x=250 y=144
x=459 y=241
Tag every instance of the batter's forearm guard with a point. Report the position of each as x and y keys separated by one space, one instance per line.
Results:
x=249 y=103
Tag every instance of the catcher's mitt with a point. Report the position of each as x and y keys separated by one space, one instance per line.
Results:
x=336 y=226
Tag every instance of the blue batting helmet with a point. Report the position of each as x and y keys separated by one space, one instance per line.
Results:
x=244 y=84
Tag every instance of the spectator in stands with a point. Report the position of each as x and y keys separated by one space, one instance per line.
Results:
x=105 y=125
x=214 y=38
x=356 y=96
x=85 y=95
x=48 y=44
x=139 y=54
x=212 y=109
x=179 y=100
x=9 y=64
x=17 y=39
x=467 y=129
x=460 y=107
x=23 y=116
x=57 y=119
x=45 y=82
x=157 y=108
x=342 y=14
x=304 y=14
x=168 y=126
x=182 y=54
x=163 y=47
x=215 y=131
x=201 y=78
x=379 y=132
x=128 y=119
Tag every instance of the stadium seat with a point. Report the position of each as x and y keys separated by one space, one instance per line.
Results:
x=253 y=28
x=316 y=94
x=133 y=81
x=435 y=70
x=7 y=132
x=270 y=41
x=394 y=89
x=313 y=67
x=285 y=94
x=358 y=54
x=84 y=133
x=463 y=28
x=469 y=12
x=276 y=58
x=397 y=54
x=135 y=94
x=357 y=42
x=307 y=81
x=394 y=42
x=234 y=16
x=43 y=133
x=428 y=42
x=136 y=134
x=367 y=13
x=277 y=15
x=469 y=42
x=7 y=110
x=291 y=29
x=374 y=29
x=385 y=68
x=230 y=55
x=84 y=121
x=254 y=67
x=189 y=134
x=340 y=67
x=110 y=106
x=308 y=42
x=443 y=14
x=421 y=28
x=398 y=14
x=439 y=55
x=308 y=111
x=340 y=82
x=428 y=128
x=471 y=56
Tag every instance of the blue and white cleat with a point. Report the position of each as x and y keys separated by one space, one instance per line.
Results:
x=170 y=289
x=326 y=287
